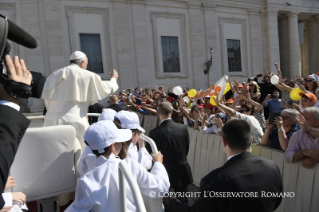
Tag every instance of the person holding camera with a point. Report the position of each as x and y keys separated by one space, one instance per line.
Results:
x=273 y=103
x=279 y=136
x=12 y=123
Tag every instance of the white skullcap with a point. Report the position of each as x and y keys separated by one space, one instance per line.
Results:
x=77 y=55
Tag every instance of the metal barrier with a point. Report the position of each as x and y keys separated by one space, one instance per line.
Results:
x=151 y=142
x=125 y=174
x=152 y=204
x=207 y=155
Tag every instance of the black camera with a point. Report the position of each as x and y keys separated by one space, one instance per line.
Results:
x=17 y=90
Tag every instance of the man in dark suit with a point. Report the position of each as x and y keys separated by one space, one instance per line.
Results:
x=12 y=123
x=172 y=139
x=247 y=177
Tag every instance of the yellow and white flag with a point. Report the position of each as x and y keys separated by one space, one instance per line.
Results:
x=217 y=89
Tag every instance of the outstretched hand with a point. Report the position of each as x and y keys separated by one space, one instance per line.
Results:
x=114 y=74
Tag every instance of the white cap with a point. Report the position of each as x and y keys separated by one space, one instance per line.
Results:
x=314 y=77
x=107 y=114
x=129 y=120
x=77 y=55
x=103 y=133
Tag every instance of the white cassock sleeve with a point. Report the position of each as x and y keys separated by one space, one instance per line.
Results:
x=156 y=181
x=82 y=202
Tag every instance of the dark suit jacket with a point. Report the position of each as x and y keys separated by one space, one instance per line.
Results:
x=96 y=108
x=117 y=107
x=172 y=139
x=242 y=173
x=12 y=128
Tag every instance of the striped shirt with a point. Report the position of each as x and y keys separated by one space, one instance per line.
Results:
x=300 y=140
x=259 y=115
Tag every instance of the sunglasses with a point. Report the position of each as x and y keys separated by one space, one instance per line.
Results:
x=242 y=111
x=285 y=117
x=250 y=85
x=308 y=80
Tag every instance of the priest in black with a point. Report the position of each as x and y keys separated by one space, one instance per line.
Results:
x=253 y=180
x=172 y=139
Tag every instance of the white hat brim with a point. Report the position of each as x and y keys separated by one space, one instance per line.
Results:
x=124 y=135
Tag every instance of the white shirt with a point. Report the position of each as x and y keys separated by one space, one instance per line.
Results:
x=10 y=104
x=98 y=189
x=212 y=129
x=230 y=157
x=8 y=200
x=254 y=124
x=87 y=161
x=165 y=120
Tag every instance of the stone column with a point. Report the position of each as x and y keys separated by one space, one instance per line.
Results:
x=123 y=44
x=294 y=46
x=272 y=39
x=141 y=45
x=284 y=44
x=197 y=40
x=255 y=42
x=313 y=43
x=34 y=59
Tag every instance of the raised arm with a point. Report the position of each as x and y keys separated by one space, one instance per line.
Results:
x=230 y=111
x=256 y=104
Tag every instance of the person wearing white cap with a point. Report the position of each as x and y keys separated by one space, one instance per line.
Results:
x=69 y=91
x=130 y=120
x=98 y=189
x=87 y=159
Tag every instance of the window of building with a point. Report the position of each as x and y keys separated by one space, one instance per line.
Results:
x=234 y=56
x=91 y=46
x=170 y=53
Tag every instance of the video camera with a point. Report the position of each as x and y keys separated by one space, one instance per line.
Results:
x=17 y=90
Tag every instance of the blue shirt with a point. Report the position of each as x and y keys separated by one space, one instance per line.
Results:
x=274 y=106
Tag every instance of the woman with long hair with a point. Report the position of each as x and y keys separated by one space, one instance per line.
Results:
x=254 y=90
x=312 y=84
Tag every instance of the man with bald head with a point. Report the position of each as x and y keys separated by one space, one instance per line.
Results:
x=172 y=139
x=114 y=100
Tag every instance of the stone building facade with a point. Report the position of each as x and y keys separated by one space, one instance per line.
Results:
x=168 y=42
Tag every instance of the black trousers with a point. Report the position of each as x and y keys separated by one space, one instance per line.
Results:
x=183 y=189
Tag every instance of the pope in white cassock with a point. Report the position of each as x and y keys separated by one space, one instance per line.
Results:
x=69 y=91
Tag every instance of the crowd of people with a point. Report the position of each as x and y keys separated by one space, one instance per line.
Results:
x=267 y=107
x=252 y=111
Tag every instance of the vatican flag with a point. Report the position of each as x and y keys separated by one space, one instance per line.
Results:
x=217 y=89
